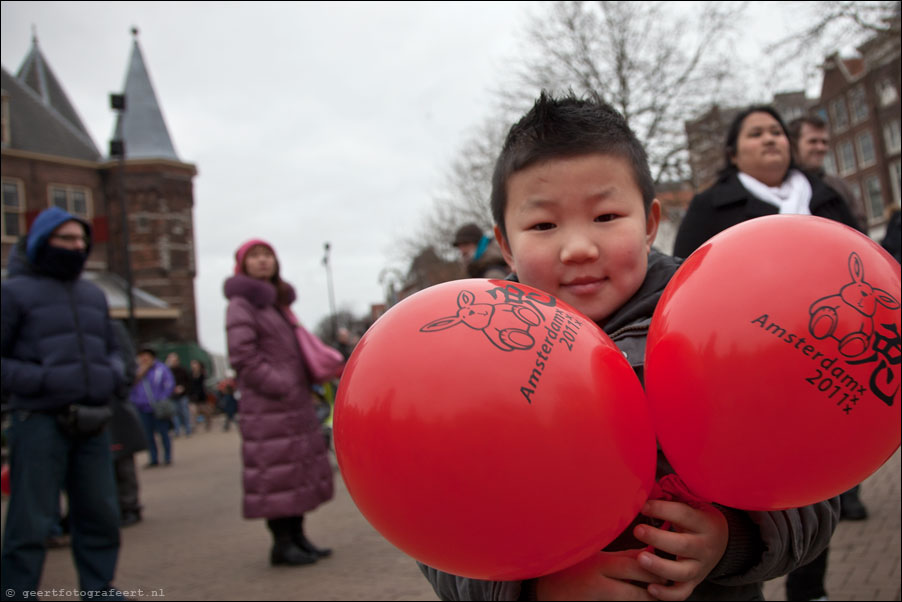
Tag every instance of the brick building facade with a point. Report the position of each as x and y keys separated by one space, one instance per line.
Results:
x=49 y=158
x=860 y=101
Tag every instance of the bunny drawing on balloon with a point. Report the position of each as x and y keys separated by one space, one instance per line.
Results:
x=506 y=325
x=849 y=316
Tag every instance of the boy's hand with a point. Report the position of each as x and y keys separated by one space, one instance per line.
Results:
x=602 y=576
x=698 y=541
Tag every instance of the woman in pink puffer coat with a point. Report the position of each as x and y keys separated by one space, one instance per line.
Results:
x=286 y=466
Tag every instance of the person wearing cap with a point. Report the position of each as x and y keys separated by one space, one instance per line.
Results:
x=61 y=369
x=286 y=470
x=479 y=253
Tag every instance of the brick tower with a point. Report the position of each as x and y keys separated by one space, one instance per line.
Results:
x=159 y=198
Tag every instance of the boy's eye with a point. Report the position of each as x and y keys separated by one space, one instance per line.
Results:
x=542 y=226
x=607 y=217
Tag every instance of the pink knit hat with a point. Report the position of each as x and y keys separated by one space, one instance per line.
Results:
x=243 y=250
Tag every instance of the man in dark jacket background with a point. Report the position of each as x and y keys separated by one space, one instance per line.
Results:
x=61 y=369
x=810 y=139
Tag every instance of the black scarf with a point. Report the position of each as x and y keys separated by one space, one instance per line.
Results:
x=63 y=264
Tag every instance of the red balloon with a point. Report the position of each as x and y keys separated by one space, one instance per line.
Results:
x=491 y=431
x=773 y=363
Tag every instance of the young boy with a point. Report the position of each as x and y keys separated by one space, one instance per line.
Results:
x=575 y=213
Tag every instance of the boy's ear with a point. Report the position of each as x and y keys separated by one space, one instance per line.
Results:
x=652 y=221
x=505 y=248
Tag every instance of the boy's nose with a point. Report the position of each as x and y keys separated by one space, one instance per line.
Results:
x=578 y=248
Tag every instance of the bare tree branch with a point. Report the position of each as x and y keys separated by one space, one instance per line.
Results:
x=831 y=25
x=653 y=61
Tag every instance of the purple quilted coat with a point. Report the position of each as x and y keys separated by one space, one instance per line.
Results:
x=286 y=464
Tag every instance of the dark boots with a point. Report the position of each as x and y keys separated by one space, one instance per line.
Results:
x=850 y=507
x=301 y=541
x=284 y=550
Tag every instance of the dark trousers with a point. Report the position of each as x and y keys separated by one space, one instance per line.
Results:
x=161 y=427
x=43 y=460
x=807 y=582
x=127 y=484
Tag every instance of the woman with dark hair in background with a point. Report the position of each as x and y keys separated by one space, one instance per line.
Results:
x=760 y=178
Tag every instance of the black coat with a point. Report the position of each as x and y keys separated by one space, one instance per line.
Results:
x=728 y=203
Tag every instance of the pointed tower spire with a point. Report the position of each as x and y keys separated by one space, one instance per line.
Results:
x=141 y=125
x=39 y=77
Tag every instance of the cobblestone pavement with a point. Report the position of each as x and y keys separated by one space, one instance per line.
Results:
x=864 y=561
x=194 y=545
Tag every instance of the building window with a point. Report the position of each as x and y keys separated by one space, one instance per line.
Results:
x=846 y=158
x=13 y=210
x=866 y=156
x=886 y=92
x=855 y=187
x=829 y=163
x=858 y=102
x=873 y=195
x=790 y=113
x=74 y=199
x=891 y=137
x=839 y=114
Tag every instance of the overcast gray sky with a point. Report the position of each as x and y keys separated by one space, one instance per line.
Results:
x=308 y=122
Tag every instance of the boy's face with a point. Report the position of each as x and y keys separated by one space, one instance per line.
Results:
x=577 y=229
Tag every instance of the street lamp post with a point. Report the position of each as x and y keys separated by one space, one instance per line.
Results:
x=117 y=149
x=326 y=263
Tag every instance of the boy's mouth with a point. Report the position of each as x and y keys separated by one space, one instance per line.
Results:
x=586 y=285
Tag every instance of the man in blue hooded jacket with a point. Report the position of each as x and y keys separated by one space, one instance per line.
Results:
x=59 y=352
